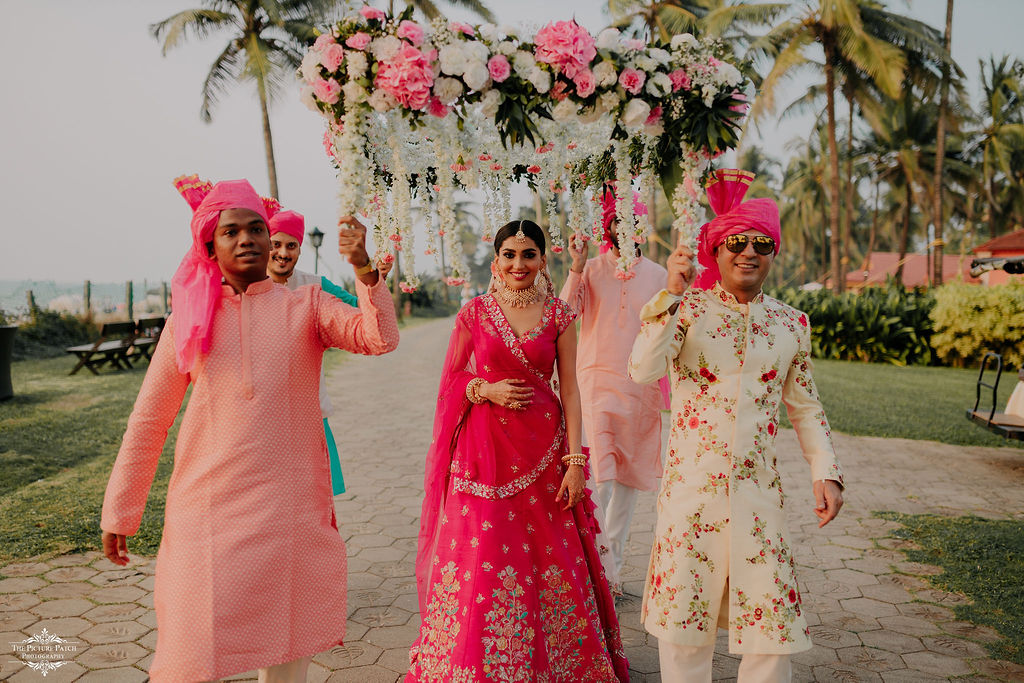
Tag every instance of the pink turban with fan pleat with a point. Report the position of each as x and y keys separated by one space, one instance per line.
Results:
x=609 y=213
x=726 y=189
x=195 y=287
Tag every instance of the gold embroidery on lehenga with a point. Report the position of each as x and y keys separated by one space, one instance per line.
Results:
x=440 y=627
x=508 y=643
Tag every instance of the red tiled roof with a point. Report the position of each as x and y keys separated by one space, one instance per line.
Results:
x=1011 y=241
x=915 y=270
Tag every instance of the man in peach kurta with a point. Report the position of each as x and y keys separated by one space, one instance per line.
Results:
x=251 y=572
x=621 y=419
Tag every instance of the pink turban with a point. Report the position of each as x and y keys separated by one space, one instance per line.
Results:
x=288 y=222
x=609 y=213
x=195 y=287
x=726 y=189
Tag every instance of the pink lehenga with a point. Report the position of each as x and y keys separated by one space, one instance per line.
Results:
x=510 y=585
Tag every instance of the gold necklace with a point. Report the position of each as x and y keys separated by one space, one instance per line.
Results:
x=518 y=298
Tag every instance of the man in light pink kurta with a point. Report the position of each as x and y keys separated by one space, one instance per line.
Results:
x=621 y=419
x=251 y=571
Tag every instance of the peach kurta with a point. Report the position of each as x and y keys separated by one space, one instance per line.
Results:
x=251 y=570
x=621 y=419
x=721 y=526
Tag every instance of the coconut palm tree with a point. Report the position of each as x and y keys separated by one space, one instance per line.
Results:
x=940 y=153
x=430 y=10
x=267 y=39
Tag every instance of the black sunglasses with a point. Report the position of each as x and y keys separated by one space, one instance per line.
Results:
x=763 y=244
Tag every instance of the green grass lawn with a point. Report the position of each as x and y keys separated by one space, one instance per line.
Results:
x=967 y=549
x=868 y=399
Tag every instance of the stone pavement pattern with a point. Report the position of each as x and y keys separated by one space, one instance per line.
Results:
x=873 y=617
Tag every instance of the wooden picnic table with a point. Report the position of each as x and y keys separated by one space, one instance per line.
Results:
x=119 y=344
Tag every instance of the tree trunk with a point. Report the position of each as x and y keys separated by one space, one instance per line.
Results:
x=940 y=152
x=905 y=233
x=396 y=289
x=847 y=236
x=874 y=230
x=824 y=241
x=652 y=210
x=268 y=141
x=833 y=165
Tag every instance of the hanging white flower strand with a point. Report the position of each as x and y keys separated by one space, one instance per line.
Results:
x=624 y=210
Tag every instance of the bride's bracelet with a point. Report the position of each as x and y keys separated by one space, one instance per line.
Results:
x=575 y=459
x=473 y=390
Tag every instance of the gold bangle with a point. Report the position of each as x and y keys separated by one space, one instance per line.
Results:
x=368 y=268
x=473 y=390
x=574 y=459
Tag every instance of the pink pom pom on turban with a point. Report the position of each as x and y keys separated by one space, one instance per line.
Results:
x=290 y=223
x=609 y=213
x=195 y=287
x=726 y=189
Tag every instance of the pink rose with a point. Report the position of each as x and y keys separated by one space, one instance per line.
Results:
x=680 y=79
x=437 y=108
x=635 y=44
x=632 y=80
x=459 y=27
x=654 y=116
x=585 y=84
x=565 y=45
x=323 y=40
x=358 y=41
x=327 y=91
x=332 y=57
x=411 y=31
x=499 y=68
x=372 y=13
x=408 y=77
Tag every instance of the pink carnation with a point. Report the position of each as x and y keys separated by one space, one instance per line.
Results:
x=455 y=281
x=327 y=91
x=332 y=57
x=499 y=68
x=358 y=41
x=632 y=80
x=624 y=276
x=565 y=45
x=411 y=31
x=406 y=287
x=372 y=13
x=461 y=28
x=408 y=77
x=584 y=81
x=328 y=143
x=533 y=169
x=556 y=248
x=388 y=258
x=635 y=44
x=680 y=79
x=437 y=108
x=323 y=40
x=654 y=116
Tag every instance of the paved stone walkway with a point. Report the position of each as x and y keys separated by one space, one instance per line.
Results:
x=872 y=615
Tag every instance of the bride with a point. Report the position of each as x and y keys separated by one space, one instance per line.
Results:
x=510 y=583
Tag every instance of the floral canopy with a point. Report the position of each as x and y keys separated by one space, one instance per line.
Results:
x=415 y=113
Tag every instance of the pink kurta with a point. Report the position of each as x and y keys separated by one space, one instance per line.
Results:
x=251 y=570
x=621 y=419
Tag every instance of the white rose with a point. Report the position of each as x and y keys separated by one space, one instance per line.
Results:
x=310 y=68
x=476 y=50
x=645 y=63
x=353 y=92
x=709 y=95
x=541 y=79
x=635 y=113
x=306 y=96
x=523 y=63
x=604 y=74
x=452 y=59
x=447 y=89
x=356 y=62
x=564 y=110
x=476 y=76
x=609 y=100
x=506 y=47
x=659 y=55
x=659 y=85
x=729 y=74
x=608 y=39
x=683 y=40
x=385 y=48
x=382 y=101
x=489 y=103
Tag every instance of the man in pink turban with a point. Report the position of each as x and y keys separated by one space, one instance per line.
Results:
x=722 y=554
x=621 y=419
x=251 y=572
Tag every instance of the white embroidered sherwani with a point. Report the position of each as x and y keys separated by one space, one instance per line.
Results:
x=720 y=519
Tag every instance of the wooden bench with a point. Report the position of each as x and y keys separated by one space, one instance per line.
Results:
x=112 y=347
x=147 y=334
x=1008 y=426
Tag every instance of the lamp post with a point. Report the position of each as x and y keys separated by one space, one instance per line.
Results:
x=316 y=238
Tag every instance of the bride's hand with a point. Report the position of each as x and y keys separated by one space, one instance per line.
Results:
x=508 y=393
x=572 y=486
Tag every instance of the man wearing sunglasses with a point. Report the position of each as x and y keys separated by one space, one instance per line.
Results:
x=722 y=556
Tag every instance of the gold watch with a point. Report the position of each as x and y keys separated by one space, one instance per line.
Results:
x=363 y=270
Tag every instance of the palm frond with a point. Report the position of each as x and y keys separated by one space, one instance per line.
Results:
x=198 y=23
x=223 y=72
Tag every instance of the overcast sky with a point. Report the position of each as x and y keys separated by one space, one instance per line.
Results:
x=96 y=123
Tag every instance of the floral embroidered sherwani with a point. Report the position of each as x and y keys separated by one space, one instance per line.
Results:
x=721 y=524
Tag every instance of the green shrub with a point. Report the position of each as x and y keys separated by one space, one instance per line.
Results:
x=428 y=301
x=47 y=333
x=970 y=320
x=878 y=324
